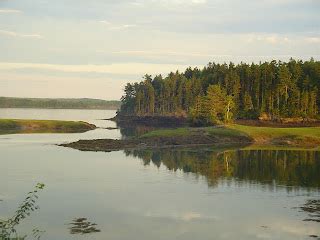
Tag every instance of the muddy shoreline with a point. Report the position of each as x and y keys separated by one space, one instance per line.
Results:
x=151 y=121
x=198 y=138
x=175 y=121
x=233 y=135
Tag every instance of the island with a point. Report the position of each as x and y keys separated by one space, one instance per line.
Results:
x=14 y=126
x=259 y=104
x=223 y=136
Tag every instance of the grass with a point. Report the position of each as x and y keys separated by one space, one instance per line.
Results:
x=220 y=131
x=225 y=131
x=167 y=133
x=295 y=137
x=271 y=132
x=10 y=126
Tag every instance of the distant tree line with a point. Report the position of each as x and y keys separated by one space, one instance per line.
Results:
x=58 y=103
x=222 y=92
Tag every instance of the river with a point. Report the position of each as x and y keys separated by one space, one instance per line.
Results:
x=201 y=193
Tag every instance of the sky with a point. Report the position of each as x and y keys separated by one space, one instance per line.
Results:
x=81 y=48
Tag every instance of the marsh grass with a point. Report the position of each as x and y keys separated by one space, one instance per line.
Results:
x=167 y=133
x=11 y=126
x=273 y=132
x=304 y=136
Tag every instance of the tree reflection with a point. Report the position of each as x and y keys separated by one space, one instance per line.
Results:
x=312 y=207
x=290 y=168
x=83 y=226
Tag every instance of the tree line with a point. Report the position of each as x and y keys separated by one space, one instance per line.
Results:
x=58 y=103
x=222 y=92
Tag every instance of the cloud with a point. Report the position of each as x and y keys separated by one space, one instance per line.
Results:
x=9 y=11
x=15 y=34
x=105 y=22
x=313 y=39
x=168 y=53
x=124 y=26
x=268 y=38
x=119 y=68
x=168 y=4
x=112 y=26
x=181 y=2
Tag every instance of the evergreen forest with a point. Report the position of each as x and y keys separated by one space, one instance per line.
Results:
x=224 y=92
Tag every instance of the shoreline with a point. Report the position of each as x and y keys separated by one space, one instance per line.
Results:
x=153 y=121
x=232 y=135
x=176 y=121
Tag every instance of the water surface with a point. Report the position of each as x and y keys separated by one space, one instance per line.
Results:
x=164 y=194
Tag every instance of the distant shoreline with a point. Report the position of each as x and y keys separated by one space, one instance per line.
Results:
x=58 y=108
x=59 y=103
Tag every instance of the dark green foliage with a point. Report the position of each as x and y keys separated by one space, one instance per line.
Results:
x=8 y=226
x=270 y=90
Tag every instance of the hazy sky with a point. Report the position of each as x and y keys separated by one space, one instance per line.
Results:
x=81 y=48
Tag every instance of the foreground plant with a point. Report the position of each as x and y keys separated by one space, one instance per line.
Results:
x=8 y=226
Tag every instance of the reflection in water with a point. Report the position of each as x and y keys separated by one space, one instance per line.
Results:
x=134 y=129
x=273 y=167
x=312 y=207
x=83 y=226
x=127 y=132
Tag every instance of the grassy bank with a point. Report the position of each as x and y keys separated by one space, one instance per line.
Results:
x=232 y=136
x=302 y=136
x=11 y=126
x=294 y=137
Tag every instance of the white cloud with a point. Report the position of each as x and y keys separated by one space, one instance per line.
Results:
x=191 y=1
x=268 y=38
x=112 y=26
x=15 y=34
x=124 y=26
x=9 y=11
x=105 y=22
x=169 y=4
x=313 y=39
x=119 y=68
x=169 y=53
x=180 y=2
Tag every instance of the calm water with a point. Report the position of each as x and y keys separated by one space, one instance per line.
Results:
x=155 y=194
